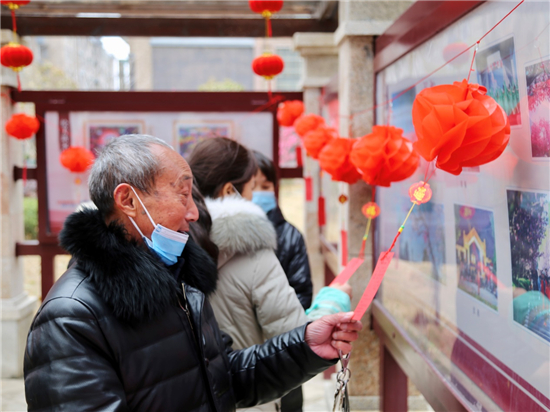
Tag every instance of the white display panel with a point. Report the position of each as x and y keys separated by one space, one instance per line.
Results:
x=470 y=279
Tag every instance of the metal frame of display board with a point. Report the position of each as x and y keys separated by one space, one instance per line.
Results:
x=46 y=246
x=400 y=357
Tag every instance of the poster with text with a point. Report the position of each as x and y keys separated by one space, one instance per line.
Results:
x=496 y=70
x=538 y=96
x=476 y=253
x=528 y=214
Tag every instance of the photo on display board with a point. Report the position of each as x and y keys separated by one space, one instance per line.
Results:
x=528 y=216
x=190 y=134
x=423 y=243
x=476 y=253
x=538 y=96
x=497 y=71
x=101 y=133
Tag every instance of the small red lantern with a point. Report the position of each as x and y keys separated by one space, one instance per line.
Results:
x=77 y=159
x=14 y=4
x=22 y=126
x=289 y=111
x=459 y=125
x=307 y=123
x=268 y=65
x=334 y=159
x=384 y=156
x=371 y=210
x=15 y=56
x=315 y=140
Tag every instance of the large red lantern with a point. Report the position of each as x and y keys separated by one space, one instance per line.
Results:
x=22 y=126
x=14 y=4
x=77 y=159
x=307 y=123
x=266 y=9
x=384 y=156
x=15 y=56
x=268 y=65
x=315 y=140
x=334 y=159
x=459 y=125
x=289 y=111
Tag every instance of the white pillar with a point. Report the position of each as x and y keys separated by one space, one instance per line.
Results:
x=16 y=307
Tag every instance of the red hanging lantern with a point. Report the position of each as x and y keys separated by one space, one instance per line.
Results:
x=268 y=65
x=266 y=9
x=14 y=4
x=384 y=156
x=22 y=126
x=334 y=159
x=307 y=123
x=15 y=56
x=459 y=125
x=315 y=140
x=289 y=111
x=370 y=210
x=77 y=159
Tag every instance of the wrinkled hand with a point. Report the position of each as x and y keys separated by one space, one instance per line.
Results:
x=345 y=287
x=331 y=333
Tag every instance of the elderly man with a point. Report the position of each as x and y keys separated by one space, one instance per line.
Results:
x=128 y=327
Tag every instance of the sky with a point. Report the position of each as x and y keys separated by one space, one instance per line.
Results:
x=116 y=46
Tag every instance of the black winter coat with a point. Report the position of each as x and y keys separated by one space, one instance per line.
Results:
x=292 y=253
x=114 y=333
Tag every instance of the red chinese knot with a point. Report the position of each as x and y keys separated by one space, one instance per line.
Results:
x=459 y=125
x=334 y=159
x=289 y=111
x=77 y=159
x=370 y=210
x=420 y=193
x=22 y=126
x=384 y=156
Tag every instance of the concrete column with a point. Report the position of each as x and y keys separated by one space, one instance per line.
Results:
x=360 y=21
x=320 y=64
x=16 y=307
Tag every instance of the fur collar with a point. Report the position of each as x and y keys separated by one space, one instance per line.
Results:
x=132 y=281
x=239 y=227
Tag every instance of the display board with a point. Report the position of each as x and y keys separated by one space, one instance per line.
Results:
x=470 y=280
x=93 y=130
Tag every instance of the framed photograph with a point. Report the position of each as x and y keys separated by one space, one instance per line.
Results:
x=100 y=133
x=476 y=253
x=497 y=71
x=528 y=217
x=189 y=134
x=537 y=77
x=423 y=244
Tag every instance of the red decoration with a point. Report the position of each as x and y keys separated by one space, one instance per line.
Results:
x=321 y=217
x=371 y=210
x=306 y=123
x=15 y=56
x=342 y=198
x=467 y=212
x=459 y=125
x=14 y=4
x=315 y=140
x=22 y=126
x=420 y=193
x=289 y=111
x=268 y=65
x=309 y=188
x=266 y=9
x=384 y=156
x=77 y=159
x=334 y=159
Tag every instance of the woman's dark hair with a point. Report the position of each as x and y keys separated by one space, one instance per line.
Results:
x=267 y=167
x=215 y=162
x=200 y=230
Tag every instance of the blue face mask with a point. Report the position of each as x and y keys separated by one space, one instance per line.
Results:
x=166 y=243
x=266 y=200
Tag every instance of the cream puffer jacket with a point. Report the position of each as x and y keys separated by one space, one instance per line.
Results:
x=253 y=299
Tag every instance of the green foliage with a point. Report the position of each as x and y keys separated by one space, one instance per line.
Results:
x=226 y=85
x=30 y=211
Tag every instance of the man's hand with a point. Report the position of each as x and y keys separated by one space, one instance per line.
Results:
x=331 y=333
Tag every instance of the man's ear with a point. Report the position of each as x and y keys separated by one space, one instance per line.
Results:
x=125 y=200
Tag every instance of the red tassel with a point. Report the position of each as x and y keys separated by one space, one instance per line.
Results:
x=25 y=174
x=299 y=160
x=268 y=30
x=344 y=239
x=18 y=82
x=321 y=212
x=13 y=24
x=309 y=189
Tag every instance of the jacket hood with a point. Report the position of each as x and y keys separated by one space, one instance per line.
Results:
x=239 y=227
x=132 y=280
